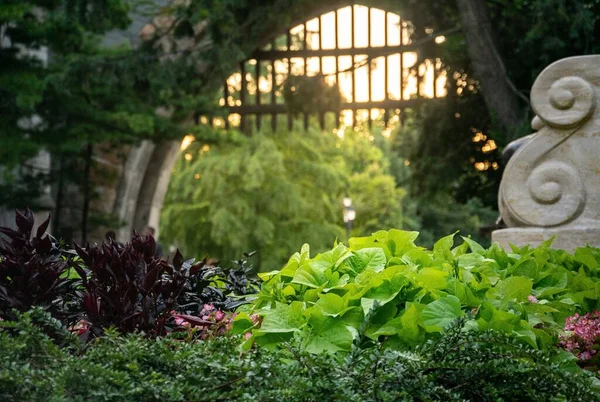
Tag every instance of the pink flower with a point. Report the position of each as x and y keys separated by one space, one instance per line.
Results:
x=582 y=335
x=219 y=315
x=181 y=321
x=532 y=299
x=256 y=318
x=207 y=308
x=248 y=335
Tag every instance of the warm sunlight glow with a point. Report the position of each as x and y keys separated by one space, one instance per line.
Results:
x=373 y=28
x=186 y=142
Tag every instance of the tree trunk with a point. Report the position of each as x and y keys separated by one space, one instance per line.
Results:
x=500 y=96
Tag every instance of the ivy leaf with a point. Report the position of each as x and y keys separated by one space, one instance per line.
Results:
x=403 y=241
x=312 y=274
x=367 y=258
x=336 y=256
x=512 y=288
x=442 y=249
x=440 y=313
x=283 y=318
x=383 y=293
x=327 y=334
x=474 y=246
x=587 y=257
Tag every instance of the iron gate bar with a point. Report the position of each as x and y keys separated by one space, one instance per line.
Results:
x=305 y=47
x=337 y=59
x=273 y=85
x=369 y=61
x=258 y=101
x=352 y=23
x=242 y=94
x=320 y=28
x=401 y=24
x=289 y=69
x=279 y=108
x=226 y=97
x=385 y=72
x=351 y=51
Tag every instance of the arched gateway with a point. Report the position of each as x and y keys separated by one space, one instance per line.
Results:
x=379 y=61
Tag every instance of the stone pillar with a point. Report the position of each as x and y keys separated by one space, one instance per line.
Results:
x=551 y=186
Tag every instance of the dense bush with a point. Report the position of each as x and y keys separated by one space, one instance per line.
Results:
x=408 y=294
x=113 y=285
x=33 y=270
x=460 y=366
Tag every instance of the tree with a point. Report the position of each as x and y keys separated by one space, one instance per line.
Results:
x=273 y=192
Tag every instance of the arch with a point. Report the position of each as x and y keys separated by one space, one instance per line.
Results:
x=148 y=167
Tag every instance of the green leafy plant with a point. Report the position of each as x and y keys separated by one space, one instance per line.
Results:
x=408 y=295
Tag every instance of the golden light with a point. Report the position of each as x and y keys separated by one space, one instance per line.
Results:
x=489 y=146
x=407 y=162
x=387 y=132
x=205 y=148
x=186 y=142
x=479 y=136
x=197 y=176
x=428 y=79
x=188 y=156
x=235 y=119
x=481 y=166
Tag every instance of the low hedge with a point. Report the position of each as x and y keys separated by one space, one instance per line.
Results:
x=463 y=365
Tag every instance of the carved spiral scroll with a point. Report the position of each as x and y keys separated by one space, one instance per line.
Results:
x=554 y=194
x=563 y=103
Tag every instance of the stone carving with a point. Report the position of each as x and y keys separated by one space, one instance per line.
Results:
x=551 y=185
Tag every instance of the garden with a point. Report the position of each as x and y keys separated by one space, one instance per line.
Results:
x=377 y=319
x=299 y=200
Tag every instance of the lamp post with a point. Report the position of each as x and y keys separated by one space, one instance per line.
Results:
x=349 y=215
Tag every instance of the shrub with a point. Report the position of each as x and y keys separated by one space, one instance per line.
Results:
x=33 y=270
x=482 y=366
x=582 y=338
x=132 y=290
x=409 y=294
x=129 y=288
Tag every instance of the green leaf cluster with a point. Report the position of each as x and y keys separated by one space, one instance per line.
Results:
x=392 y=290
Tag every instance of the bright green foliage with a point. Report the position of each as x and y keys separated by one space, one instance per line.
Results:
x=407 y=294
x=486 y=367
x=273 y=192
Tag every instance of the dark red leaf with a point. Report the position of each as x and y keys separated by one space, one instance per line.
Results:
x=196 y=268
x=24 y=222
x=83 y=254
x=177 y=260
x=43 y=227
x=44 y=245
x=90 y=304
x=12 y=234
